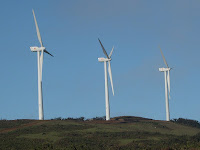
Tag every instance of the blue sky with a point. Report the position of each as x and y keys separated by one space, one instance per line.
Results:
x=73 y=81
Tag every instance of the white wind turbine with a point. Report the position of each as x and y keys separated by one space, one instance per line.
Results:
x=105 y=60
x=167 y=85
x=40 y=51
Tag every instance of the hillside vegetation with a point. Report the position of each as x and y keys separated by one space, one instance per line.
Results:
x=121 y=133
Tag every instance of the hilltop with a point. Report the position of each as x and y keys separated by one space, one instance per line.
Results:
x=126 y=132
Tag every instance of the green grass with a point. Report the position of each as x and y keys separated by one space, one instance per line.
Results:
x=70 y=134
x=50 y=136
x=125 y=141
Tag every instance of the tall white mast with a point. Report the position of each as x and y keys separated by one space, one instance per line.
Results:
x=40 y=98
x=106 y=92
x=166 y=97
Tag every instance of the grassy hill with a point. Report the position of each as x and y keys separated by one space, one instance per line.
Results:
x=120 y=133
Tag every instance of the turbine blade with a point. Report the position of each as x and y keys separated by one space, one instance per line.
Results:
x=164 y=58
x=110 y=74
x=168 y=83
x=104 y=51
x=111 y=52
x=38 y=31
x=48 y=53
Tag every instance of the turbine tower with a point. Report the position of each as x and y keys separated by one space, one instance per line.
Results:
x=40 y=51
x=105 y=60
x=167 y=85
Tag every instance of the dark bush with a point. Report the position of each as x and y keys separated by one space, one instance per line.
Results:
x=188 y=122
x=99 y=118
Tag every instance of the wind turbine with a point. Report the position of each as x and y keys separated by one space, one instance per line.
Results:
x=167 y=85
x=105 y=60
x=40 y=51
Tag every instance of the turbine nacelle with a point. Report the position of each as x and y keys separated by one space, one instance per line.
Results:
x=37 y=49
x=101 y=59
x=164 y=69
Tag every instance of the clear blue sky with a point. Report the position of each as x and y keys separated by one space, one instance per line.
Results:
x=73 y=81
